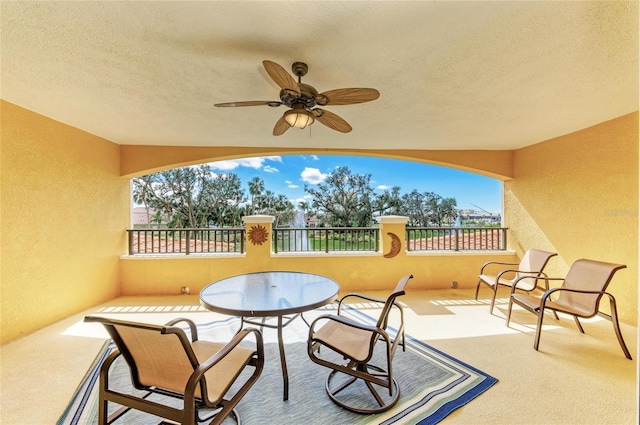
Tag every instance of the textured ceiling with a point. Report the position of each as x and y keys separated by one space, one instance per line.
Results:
x=452 y=75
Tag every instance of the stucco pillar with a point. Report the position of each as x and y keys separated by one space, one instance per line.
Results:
x=259 y=236
x=392 y=235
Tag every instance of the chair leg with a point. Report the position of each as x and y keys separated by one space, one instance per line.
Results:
x=478 y=288
x=616 y=326
x=493 y=297
x=509 y=310
x=374 y=374
x=575 y=318
x=536 y=342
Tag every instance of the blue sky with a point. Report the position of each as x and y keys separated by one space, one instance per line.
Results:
x=288 y=174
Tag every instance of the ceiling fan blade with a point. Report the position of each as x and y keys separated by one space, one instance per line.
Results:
x=347 y=96
x=331 y=120
x=281 y=76
x=249 y=103
x=281 y=127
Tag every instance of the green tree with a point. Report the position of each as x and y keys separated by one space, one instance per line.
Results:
x=428 y=209
x=389 y=202
x=256 y=187
x=443 y=210
x=143 y=194
x=276 y=205
x=224 y=196
x=415 y=206
x=344 y=199
x=191 y=196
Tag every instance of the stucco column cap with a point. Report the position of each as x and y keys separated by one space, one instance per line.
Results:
x=392 y=219
x=258 y=218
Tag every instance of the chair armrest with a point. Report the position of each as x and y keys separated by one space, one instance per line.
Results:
x=372 y=299
x=489 y=263
x=192 y=326
x=536 y=276
x=543 y=276
x=577 y=291
x=235 y=341
x=361 y=296
x=499 y=276
x=343 y=320
x=534 y=272
x=548 y=293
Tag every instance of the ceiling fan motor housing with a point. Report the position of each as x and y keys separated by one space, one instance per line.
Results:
x=307 y=96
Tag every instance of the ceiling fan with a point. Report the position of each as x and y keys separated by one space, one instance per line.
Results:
x=303 y=99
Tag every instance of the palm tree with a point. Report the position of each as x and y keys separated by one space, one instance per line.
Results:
x=256 y=186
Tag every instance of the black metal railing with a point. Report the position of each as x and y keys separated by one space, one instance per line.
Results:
x=325 y=239
x=186 y=241
x=314 y=239
x=456 y=238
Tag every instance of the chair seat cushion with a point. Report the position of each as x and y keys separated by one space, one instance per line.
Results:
x=527 y=301
x=221 y=376
x=354 y=342
x=532 y=303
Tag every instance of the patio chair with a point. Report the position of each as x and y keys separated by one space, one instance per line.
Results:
x=524 y=276
x=351 y=346
x=163 y=361
x=580 y=294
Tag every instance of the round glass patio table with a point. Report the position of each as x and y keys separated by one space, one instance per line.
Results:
x=280 y=294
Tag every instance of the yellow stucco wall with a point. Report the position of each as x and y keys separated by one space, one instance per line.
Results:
x=63 y=210
x=144 y=276
x=578 y=195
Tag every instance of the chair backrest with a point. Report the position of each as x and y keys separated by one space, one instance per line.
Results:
x=534 y=261
x=158 y=356
x=587 y=275
x=384 y=315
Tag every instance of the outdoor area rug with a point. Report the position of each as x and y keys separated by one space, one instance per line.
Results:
x=432 y=383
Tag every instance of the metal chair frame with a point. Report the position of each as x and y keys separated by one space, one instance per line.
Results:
x=521 y=275
x=196 y=384
x=548 y=301
x=361 y=368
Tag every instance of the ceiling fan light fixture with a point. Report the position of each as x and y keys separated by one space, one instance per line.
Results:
x=299 y=118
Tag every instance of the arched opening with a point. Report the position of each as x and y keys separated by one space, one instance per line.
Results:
x=385 y=185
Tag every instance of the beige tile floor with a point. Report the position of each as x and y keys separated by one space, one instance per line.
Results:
x=573 y=379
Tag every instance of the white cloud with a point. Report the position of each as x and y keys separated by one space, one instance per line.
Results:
x=255 y=163
x=305 y=198
x=270 y=169
x=292 y=186
x=312 y=176
x=383 y=187
x=315 y=157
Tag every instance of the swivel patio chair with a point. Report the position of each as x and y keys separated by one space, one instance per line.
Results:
x=163 y=361
x=524 y=276
x=350 y=351
x=580 y=294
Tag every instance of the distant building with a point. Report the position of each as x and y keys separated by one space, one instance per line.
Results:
x=142 y=215
x=311 y=221
x=479 y=216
